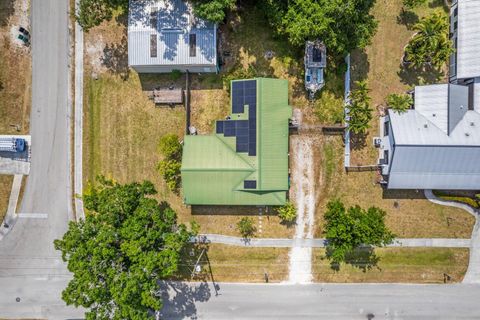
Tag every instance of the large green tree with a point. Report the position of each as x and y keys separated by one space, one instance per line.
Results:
x=342 y=25
x=349 y=229
x=360 y=112
x=212 y=10
x=91 y=13
x=118 y=254
x=431 y=45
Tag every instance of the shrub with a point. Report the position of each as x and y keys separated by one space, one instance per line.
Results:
x=412 y=4
x=288 y=213
x=360 y=112
x=245 y=227
x=170 y=147
x=170 y=171
x=399 y=102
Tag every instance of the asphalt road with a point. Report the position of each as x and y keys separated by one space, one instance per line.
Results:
x=28 y=248
x=320 y=301
x=39 y=298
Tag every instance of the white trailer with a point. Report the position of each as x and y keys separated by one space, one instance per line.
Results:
x=12 y=144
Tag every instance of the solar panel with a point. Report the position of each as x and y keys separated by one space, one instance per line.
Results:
x=219 y=127
x=242 y=147
x=245 y=131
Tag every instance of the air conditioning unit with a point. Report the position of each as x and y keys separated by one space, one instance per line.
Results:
x=377 y=142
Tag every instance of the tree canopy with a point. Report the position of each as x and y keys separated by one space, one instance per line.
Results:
x=399 y=102
x=92 y=13
x=348 y=229
x=245 y=227
x=360 y=112
x=431 y=44
x=212 y=10
x=342 y=25
x=125 y=245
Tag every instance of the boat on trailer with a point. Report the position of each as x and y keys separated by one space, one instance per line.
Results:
x=315 y=63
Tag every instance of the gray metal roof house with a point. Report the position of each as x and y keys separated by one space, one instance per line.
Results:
x=164 y=35
x=436 y=145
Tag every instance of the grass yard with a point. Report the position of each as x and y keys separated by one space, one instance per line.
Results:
x=15 y=88
x=123 y=127
x=380 y=64
x=409 y=214
x=400 y=265
x=5 y=188
x=240 y=264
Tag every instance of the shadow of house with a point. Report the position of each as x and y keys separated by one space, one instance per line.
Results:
x=231 y=210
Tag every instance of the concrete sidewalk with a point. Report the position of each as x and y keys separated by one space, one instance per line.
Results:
x=11 y=217
x=321 y=243
x=473 y=271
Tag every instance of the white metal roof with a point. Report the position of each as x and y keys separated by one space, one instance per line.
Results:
x=175 y=23
x=436 y=120
x=468 y=45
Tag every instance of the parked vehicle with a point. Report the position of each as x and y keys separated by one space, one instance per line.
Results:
x=315 y=63
x=11 y=144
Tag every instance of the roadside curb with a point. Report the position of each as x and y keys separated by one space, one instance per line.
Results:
x=78 y=123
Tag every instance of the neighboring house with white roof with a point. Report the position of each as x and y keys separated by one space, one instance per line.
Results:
x=436 y=145
x=164 y=35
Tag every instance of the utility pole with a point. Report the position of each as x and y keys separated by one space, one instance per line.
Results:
x=196 y=263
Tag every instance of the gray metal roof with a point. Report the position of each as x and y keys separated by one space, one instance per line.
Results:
x=468 y=45
x=435 y=167
x=174 y=24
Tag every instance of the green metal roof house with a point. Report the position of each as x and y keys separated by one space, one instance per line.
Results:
x=245 y=162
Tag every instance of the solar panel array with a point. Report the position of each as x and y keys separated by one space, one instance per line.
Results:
x=245 y=131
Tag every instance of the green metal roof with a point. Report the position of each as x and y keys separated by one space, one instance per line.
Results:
x=213 y=173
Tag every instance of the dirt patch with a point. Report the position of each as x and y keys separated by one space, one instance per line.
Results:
x=304 y=194
x=94 y=53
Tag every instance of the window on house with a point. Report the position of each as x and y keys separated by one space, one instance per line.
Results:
x=385 y=157
x=153 y=45
x=386 y=128
x=154 y=18
x=455 y=12
x=193 y=44
x=249 y=184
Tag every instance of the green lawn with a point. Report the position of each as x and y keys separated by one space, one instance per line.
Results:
x=409 y=265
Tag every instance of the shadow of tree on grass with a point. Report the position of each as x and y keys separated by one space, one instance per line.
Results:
x=115 y=58
x=363 y=258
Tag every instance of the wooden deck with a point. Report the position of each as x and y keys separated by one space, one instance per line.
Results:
x=168 y=96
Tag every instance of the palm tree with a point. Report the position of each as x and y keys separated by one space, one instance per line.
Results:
x=360 y=112
x=399 y=102
x=431 y=44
